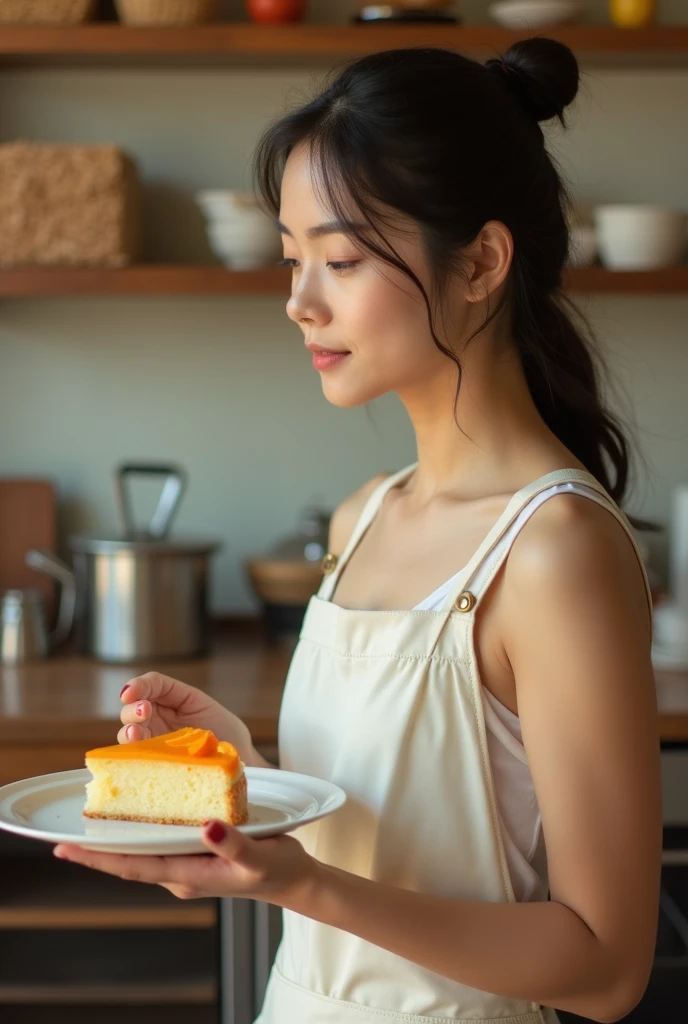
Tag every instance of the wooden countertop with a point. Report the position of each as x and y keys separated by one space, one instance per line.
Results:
x=71 y=700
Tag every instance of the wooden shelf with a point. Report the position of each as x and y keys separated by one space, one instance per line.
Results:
x=82 y=1013
x=131 y=993
x=142 y=279
x=61 y=917
x=673 y=280
x=243 y=42
x=48 y=894
x=178 y=280
x=96 y=966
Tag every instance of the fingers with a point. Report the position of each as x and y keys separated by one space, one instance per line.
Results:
x=136 y=722
x=130 y=733
x=136 y=714
x=225 y=841
x=178 y=871
x=153 y=686
x=237 y=867
x=134 y=869
x=183 y=892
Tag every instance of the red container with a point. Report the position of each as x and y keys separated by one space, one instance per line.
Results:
x=276 y=10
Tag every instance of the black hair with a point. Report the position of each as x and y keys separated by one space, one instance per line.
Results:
x=452 y=144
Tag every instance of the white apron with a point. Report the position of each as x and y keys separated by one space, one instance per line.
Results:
x=387 y=704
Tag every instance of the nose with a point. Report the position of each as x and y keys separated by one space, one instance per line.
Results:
x=306 y=305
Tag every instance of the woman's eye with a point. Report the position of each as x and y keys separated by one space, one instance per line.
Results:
x=346 y=265
x=337 y=266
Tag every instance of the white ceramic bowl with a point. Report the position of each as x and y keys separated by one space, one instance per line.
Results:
x=240 y=232
x=670 y=641
x=582 y=246
x=226 y=204
x=527 y=14
x=247 y=243
x=671 y=625
x=640 y=237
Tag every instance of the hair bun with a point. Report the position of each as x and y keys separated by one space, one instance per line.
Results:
x=543 y=75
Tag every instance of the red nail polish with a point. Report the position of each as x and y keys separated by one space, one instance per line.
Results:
x=123 y=690
x=216 y=832
x=139 y=709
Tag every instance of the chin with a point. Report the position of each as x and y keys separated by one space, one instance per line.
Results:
x=349 y=397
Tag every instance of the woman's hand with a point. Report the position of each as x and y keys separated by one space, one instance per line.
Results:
x=276 y=870
x=154 y=704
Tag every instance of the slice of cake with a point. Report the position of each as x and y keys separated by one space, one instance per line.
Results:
x=179 y=778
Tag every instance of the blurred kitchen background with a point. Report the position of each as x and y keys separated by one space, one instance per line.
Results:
x=221 y=386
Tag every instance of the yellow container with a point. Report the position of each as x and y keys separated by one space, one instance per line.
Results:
x=633 y=13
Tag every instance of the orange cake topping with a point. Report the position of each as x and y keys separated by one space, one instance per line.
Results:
x=198 y=742
x=187 y=745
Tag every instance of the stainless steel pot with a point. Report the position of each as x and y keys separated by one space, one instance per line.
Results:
x=143 y=595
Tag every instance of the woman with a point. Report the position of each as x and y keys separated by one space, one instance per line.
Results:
x=513 y=709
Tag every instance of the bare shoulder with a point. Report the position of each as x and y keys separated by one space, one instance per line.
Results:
x=345 y=516
x=575 y=550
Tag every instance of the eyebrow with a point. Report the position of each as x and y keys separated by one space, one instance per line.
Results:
x=333 y=227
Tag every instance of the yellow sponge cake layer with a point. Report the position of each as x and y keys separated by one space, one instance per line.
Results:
x=179 y=778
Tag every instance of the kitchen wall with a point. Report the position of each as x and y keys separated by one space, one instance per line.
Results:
x=224 y=385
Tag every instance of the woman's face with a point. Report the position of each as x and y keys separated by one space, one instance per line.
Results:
x=351 y=303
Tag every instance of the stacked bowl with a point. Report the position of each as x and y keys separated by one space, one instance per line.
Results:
x=636 y=237
x=240 y=232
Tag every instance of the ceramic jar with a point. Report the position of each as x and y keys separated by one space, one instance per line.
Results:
x=276 y=10
x=632 y=13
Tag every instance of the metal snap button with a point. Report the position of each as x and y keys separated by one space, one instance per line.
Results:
x=329 y=564
x=464 y=602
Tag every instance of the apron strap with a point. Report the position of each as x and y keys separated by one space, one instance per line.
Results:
x=366 y=517
x=474 y=581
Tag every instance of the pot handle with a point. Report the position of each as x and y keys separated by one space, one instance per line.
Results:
x=168 y=503
x=47 y=563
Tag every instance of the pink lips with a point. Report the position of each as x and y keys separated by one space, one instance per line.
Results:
x=325 y=360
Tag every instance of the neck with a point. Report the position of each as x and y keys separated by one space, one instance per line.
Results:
x=500 y=442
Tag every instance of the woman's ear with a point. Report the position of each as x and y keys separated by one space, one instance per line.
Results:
x=489 y=259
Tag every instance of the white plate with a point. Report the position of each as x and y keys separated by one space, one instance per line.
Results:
x=50 y=807
x=532 y=14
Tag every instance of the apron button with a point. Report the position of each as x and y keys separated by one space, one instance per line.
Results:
x=329 y=564
x=465 y=602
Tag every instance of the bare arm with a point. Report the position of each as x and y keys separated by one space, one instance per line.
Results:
x=576 y=634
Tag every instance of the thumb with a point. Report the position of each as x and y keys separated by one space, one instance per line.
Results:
x=226 y=841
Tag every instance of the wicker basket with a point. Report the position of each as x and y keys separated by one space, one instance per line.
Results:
x=68 y=205
x=166 y=12
x=46 y=12
x=283 y=582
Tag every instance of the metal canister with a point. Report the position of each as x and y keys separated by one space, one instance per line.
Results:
x=143 y=595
